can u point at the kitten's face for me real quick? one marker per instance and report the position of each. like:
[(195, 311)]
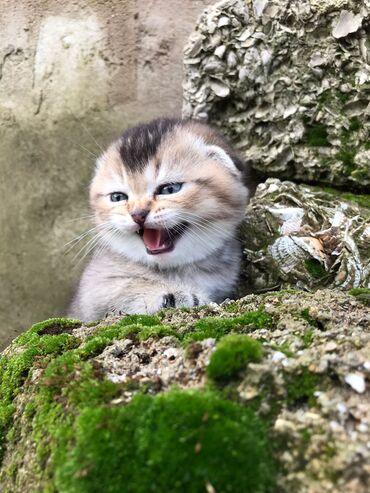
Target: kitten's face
[(170, 206)]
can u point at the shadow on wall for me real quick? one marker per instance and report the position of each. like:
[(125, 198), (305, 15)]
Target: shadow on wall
[(72, 77)]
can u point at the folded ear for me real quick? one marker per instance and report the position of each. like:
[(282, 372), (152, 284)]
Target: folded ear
[(219, 155)]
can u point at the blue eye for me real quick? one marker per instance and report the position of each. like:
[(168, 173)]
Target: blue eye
[(169, 188), (118, 196)]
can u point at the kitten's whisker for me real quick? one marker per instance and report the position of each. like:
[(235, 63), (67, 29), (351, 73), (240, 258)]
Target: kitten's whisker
[(81, 218), (86, 247), (92, 136), (80, 237), (83, 148), (199, 220), (208, 227), (90, 246), (90, 242), (193, 234), (104, 244), (211, 227), (196, 216), (86, 130)]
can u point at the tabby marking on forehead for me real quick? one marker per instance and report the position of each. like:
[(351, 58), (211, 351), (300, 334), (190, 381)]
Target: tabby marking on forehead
[(140, 144)]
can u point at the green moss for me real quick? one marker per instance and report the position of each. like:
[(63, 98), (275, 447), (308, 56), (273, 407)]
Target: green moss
[(347, 156), (347, 153), (156, 331), (354, 124), (85, 444), (362, 294), (361, 175), (52, 326), (15, 369), (363, 200), (95, 344), (316, 135), (315, 268), (343, 97), (142, 325), (301, 388), (217, 327), (178, 441), (232, 354), (231, 307), (144, 320), (67, 386), (306, 315), (307, 338), (331, 97)]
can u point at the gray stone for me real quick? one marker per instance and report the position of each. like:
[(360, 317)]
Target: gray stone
[(293, 91)]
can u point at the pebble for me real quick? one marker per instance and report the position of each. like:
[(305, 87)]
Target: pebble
[(330, 346), (278, 356), (356, 381)]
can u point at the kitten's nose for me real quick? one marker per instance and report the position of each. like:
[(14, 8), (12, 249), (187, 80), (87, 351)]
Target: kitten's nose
[(139, 216)]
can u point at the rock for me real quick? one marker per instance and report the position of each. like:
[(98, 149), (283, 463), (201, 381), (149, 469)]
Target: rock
[(266, 398), (296, 236), (293, 90), (356, 381)]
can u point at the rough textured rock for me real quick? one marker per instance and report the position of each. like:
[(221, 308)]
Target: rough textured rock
[(93, 407), (296, 236), (288, 81)]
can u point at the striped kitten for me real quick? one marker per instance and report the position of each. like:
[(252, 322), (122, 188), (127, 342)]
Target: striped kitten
[(168, 197)]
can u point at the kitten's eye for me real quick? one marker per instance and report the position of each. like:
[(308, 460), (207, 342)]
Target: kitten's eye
[(118, 196), (169, 188)]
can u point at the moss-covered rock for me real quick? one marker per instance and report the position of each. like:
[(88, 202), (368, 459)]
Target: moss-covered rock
[(288, 82), (256, 395), (296, 236), (232, 355)]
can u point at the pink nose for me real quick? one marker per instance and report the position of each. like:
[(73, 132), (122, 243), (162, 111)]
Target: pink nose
[(139, 216)]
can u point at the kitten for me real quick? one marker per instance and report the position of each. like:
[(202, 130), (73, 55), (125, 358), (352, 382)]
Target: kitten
[(167, 197)]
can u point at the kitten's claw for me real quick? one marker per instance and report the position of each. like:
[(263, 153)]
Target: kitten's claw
[(114, 313)]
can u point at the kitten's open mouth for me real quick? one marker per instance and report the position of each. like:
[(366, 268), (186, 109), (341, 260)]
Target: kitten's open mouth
[(158, 241)]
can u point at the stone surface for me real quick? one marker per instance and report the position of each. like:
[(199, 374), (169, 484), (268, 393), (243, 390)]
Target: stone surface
[(73, 76), (296, 236), (310, 388), (288, 81)]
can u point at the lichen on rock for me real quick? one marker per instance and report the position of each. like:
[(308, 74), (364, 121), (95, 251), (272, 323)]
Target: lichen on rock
[(296, 236), (288, 82)]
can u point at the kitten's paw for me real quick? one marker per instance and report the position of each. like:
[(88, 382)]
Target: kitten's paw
[(181, 299), (115, 312)]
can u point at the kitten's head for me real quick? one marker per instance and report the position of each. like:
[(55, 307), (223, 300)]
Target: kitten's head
[(168, 193)]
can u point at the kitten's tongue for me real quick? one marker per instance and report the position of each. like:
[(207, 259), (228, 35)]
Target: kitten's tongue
[(157, 241)]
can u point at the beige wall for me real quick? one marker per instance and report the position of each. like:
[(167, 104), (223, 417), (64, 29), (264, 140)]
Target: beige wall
[(71, 73)]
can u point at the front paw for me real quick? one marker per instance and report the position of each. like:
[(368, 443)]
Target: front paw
[(179, 299)]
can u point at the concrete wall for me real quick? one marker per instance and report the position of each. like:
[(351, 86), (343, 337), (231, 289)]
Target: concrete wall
[(73, 75)]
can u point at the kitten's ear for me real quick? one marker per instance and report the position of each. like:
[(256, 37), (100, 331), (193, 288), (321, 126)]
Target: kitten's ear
[(219, 155)]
